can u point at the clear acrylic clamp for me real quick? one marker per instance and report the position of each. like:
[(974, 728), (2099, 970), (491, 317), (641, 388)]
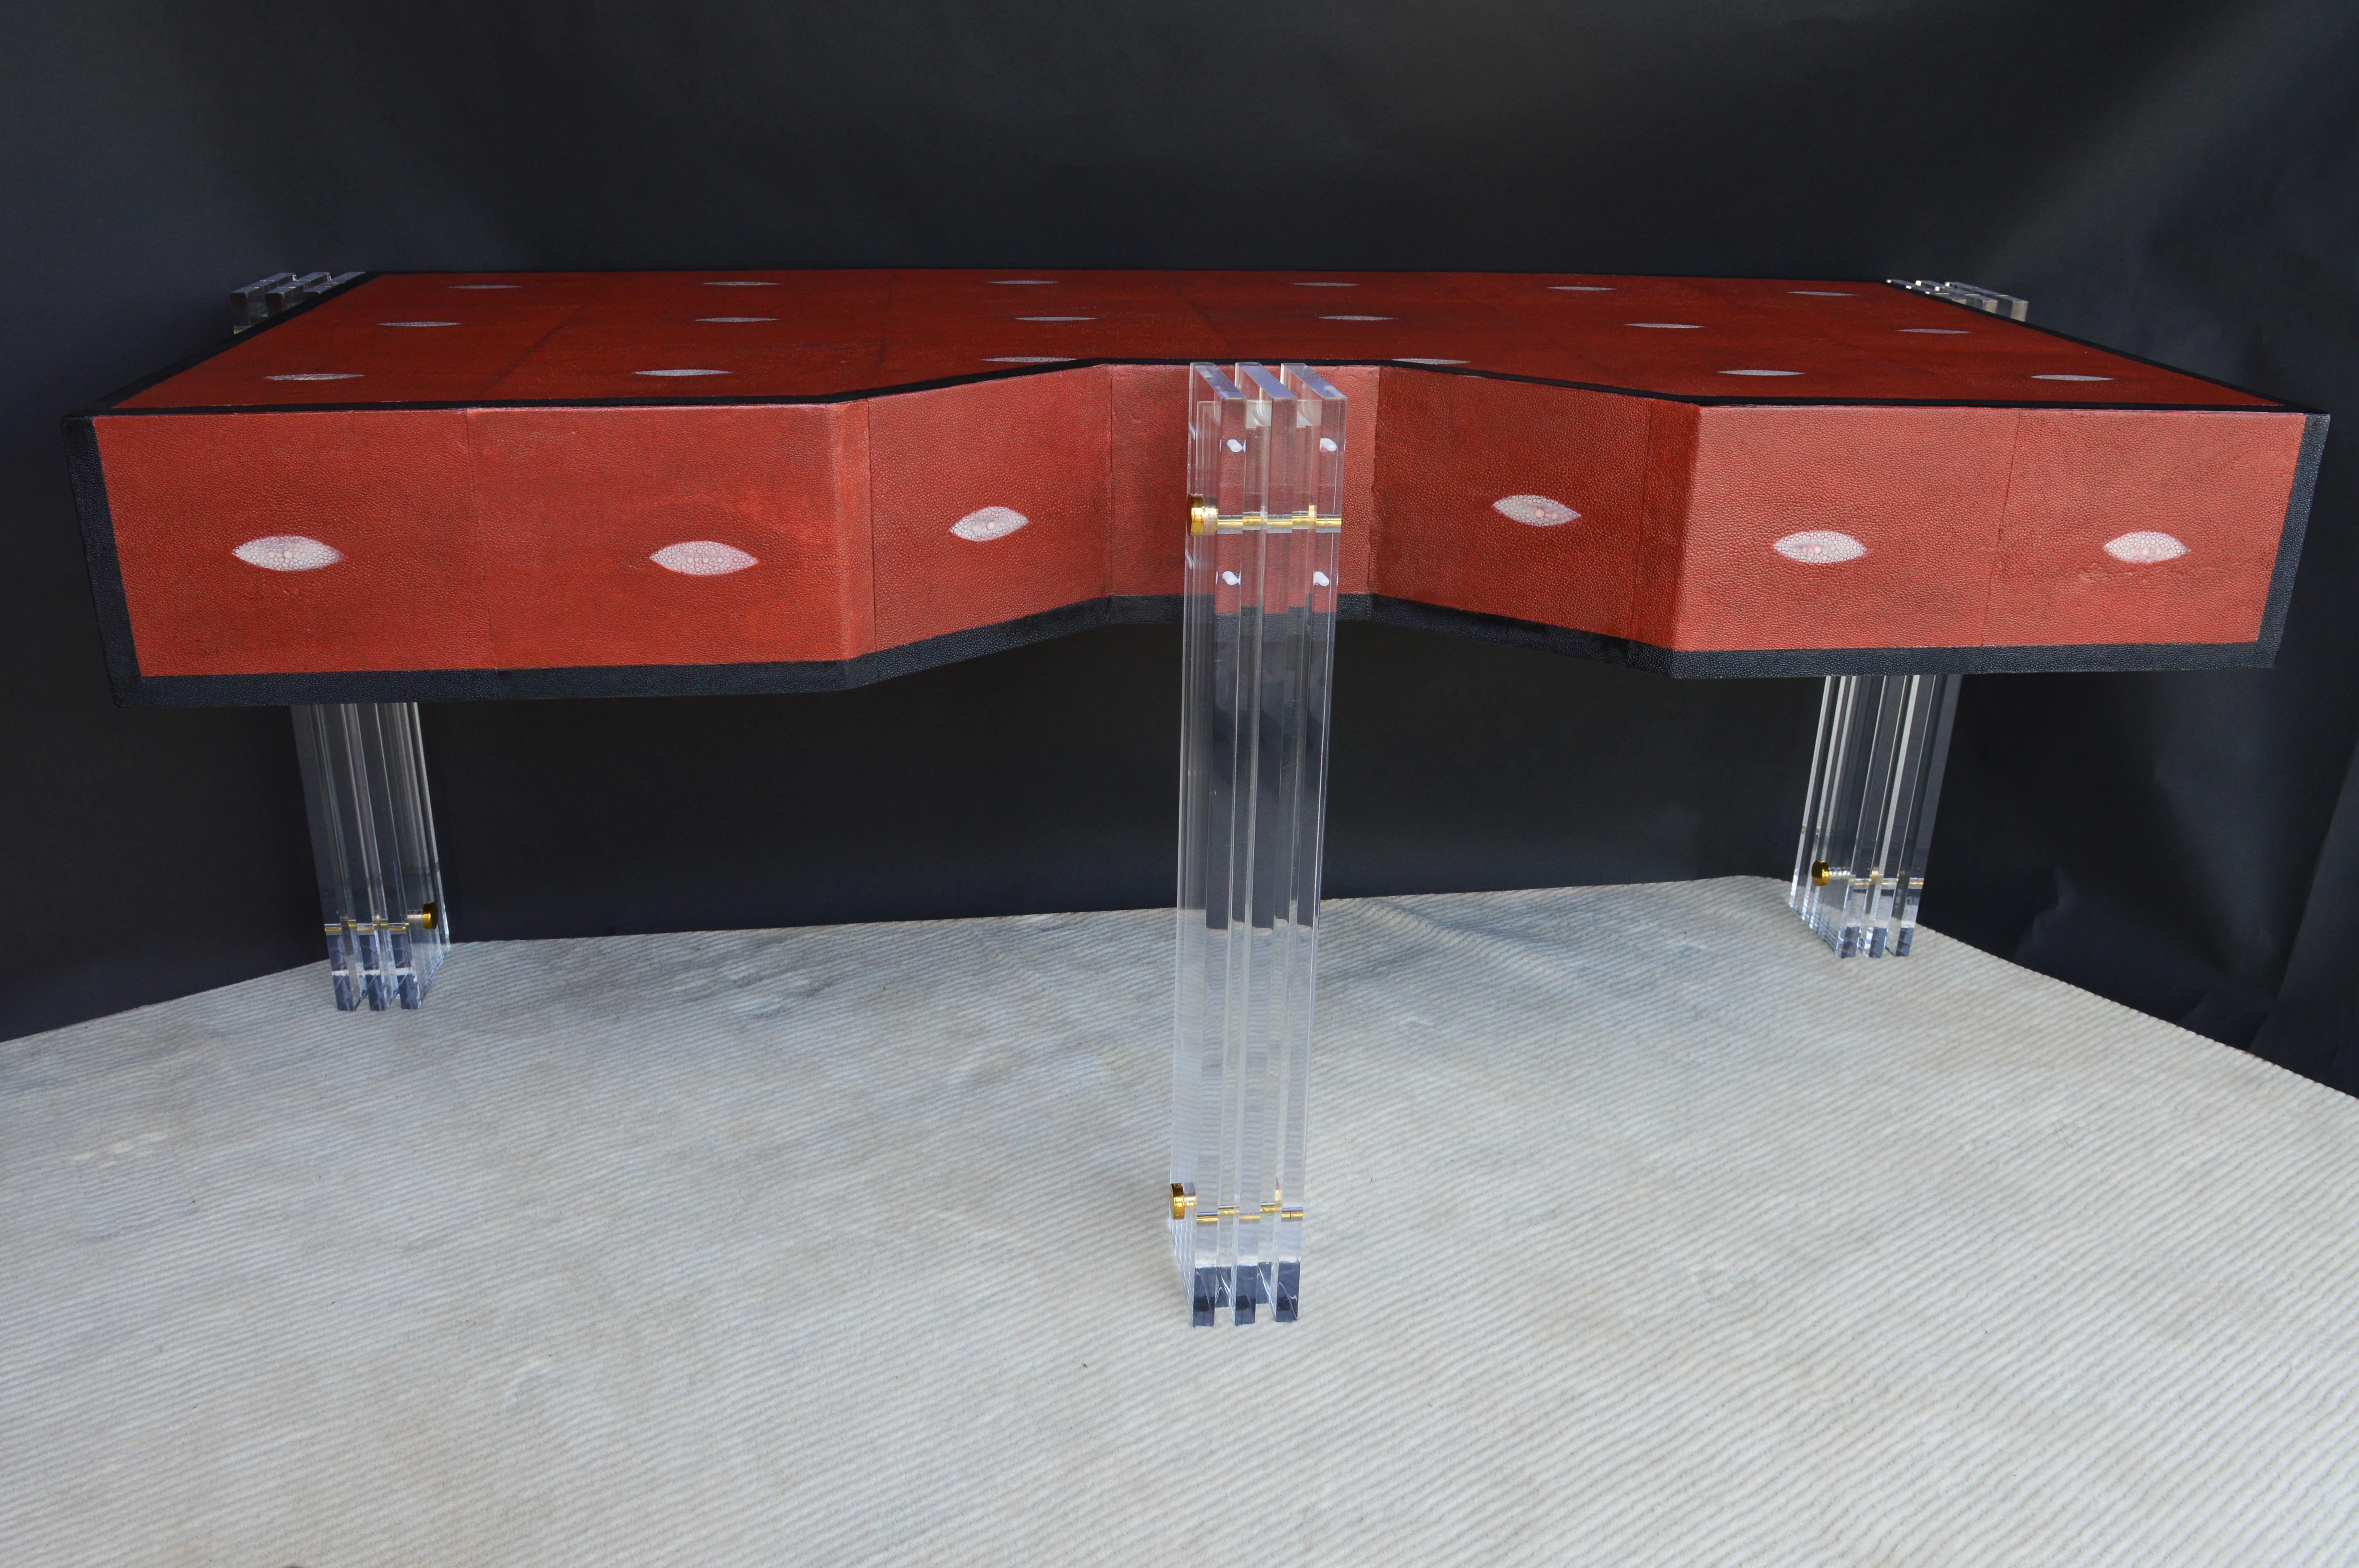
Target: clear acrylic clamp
[(1867, 821), (387, 926), (1266, 467)]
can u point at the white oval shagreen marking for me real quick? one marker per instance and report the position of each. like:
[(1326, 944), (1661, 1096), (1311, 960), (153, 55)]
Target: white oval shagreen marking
[(739, 283), (1056, 318), (1024, 282), (1327, 444), (288, 552), (1426, 362), (1029, 360), (317, 375), (1582, 287), (1536, 510), (418, 323), (1326, 285), (1669, 326), (487, 285), (1355, 318), (1820, 547), (989, 523), (2146, 547), (724, 319), (1319, 579), (1233, 444), (1231, 578), (1760, 372), (1822, 293), (1938, 331), (701, 557), (679, 373), (2063, 375)]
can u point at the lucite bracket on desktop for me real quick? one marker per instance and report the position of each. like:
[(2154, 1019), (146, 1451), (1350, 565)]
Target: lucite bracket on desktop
[(1876, 775), (1266, 464)]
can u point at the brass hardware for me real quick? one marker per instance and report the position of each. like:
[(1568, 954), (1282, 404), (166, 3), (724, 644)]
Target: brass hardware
[(1204, 517), (1289, 1214), (1818, 873), (426, 915), (1183, 1202)]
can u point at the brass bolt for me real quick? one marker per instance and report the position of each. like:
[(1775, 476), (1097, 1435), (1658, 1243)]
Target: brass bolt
[(1818, 873), (426, 915)]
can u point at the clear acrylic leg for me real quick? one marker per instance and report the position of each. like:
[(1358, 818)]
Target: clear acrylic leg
[(1876, 781), (1266, 455), (387, 923)]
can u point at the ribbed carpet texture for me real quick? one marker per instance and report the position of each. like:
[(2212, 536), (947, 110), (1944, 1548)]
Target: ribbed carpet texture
[(1642, 1231)]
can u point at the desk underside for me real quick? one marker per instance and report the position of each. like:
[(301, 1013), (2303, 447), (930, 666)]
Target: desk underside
[(499, 471)]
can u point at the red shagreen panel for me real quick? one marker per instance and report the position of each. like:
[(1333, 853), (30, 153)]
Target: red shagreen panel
[(674, 535), (989, 501), (386, 491), (2148, 485), (1148, 479), (1840, 528), (1512, 500)]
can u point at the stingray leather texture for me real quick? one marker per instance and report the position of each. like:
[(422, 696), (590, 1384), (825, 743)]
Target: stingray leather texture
[(438, 486)]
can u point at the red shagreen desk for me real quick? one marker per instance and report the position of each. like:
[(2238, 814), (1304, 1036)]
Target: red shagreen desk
[(454, 486), (437, 486)]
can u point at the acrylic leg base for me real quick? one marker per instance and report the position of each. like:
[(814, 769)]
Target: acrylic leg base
[(386, 921), (1867, 821), (1270, 1284)]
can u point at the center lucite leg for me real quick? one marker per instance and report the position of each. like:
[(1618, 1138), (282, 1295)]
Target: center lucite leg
[(1266, 464)]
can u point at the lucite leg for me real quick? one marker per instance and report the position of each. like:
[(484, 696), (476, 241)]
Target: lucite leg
[(1258, 638), (1876, 775), (387, 923), (1867, 821)]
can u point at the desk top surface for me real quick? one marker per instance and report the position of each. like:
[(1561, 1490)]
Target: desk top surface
[(507, 337)]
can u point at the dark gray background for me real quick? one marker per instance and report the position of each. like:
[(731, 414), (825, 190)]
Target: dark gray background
[(2180, 180)]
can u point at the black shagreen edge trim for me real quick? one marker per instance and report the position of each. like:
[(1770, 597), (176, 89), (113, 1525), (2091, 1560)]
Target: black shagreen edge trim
[(1141, 610), (98, 553), (2296, 524)]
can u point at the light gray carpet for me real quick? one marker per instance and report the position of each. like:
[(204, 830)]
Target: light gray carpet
[(1642, 1231)]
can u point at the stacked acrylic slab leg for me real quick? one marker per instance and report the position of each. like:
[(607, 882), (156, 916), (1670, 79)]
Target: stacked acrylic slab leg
[(1266, 464), (373, 843), (1876, 776), (1876, 781)]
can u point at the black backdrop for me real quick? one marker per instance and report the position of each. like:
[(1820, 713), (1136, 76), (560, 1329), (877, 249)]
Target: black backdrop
[(2180, 180)]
